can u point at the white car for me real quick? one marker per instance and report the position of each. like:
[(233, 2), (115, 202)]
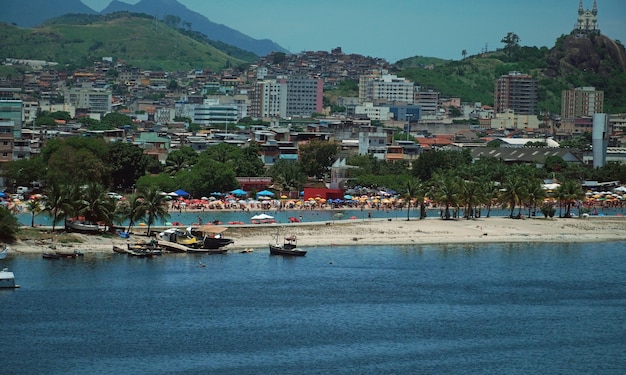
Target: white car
[(114, 195)]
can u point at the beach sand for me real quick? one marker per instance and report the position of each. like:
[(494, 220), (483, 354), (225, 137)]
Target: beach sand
[(382, 232)]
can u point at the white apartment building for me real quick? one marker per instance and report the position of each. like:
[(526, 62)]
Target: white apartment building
[(386, 88), (94, 100), (269, 99), (372, 112)]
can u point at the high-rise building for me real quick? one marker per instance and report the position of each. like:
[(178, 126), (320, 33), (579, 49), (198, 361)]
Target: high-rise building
[(517, 92), (269, 99), (579, 103), (386, 89), (304, 96)]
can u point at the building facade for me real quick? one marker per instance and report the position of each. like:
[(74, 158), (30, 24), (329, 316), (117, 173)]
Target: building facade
[(578, 105), (268, 99), (517, 92), (385, 89), (90, 99), (304, 96), (587, 21)]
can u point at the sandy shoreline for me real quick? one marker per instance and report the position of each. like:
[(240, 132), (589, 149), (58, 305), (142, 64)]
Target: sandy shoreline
[(383, 232)]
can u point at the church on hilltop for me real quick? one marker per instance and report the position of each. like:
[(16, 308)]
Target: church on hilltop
[(587, 20)]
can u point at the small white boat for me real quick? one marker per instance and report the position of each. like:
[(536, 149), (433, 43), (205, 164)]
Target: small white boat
[(4, 252), (7, 279)]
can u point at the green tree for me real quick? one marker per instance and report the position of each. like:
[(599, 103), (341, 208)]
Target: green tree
[(116, 119), (34, 207), (287, 174), (317, 157), (411, 189), (155, 206), (96, 205), (513, 192), (178, 160), (569, 193), (9, 225), (126, 163), (55, 202), (445, 191), (511, 44), (132, 209)]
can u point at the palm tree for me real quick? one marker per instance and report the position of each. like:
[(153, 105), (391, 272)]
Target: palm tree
[(132, 210), (513, 193), (55, 202), (155, 206), (569, 192), (490, 190), (97, 206), (34, 207), (464, 53), (470, 195), (535, 194), (411, 187), (176, 162), (445, 191)]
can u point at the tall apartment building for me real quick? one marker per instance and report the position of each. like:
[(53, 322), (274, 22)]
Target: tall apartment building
[(269, 99), (304, 96), (577, 103), (11, 112), (90, 99), (517, 92), (385, 89)]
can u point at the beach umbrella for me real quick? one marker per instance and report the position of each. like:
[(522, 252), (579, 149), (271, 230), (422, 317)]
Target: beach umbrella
[(2, 195), (265, 193), (347, 196), (261, 217), (239, 192), (283, 197)]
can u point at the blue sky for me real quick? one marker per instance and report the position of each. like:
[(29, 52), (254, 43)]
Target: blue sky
[(395, 29)]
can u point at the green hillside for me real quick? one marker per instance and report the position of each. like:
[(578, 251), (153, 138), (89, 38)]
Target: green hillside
[(568, 65), (138, 40)]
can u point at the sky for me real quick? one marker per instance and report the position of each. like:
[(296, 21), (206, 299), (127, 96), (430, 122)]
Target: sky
[(397, 29)]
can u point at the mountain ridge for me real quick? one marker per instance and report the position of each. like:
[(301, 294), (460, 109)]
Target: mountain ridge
[(199, 22)]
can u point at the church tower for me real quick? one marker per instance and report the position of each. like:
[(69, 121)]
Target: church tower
[(587, 20)]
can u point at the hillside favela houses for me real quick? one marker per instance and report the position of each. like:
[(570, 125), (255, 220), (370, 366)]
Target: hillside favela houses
[(287, 94)]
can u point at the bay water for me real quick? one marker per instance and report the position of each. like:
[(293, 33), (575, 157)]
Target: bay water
[(485, 308)]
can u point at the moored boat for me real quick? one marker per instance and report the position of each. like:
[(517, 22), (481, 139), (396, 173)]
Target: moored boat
[(4, 252), (7, 279), (289, 247)]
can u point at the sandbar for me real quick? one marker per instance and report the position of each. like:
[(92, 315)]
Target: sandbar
[(431, 231)]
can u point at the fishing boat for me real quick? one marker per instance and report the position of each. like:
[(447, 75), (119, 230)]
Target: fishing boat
[(4, 252), (209, 236), (289, 247), (7, 279)]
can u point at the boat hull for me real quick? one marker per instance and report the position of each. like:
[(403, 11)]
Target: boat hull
[(280, 250)]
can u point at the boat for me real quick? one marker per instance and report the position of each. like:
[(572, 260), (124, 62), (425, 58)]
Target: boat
[(4, 252), (82, 226), (289, 247), (119, 250), (178, 236), (7, 279), (65, 254), (151, 247), (210, 236), (202, 250), (51, 256)]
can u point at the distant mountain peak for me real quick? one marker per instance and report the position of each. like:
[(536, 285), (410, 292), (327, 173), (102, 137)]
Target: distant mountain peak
[(198, 22), (31, 13)]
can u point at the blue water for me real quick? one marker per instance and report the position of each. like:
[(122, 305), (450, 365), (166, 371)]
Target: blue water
[(523, 308), (190, 217)]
